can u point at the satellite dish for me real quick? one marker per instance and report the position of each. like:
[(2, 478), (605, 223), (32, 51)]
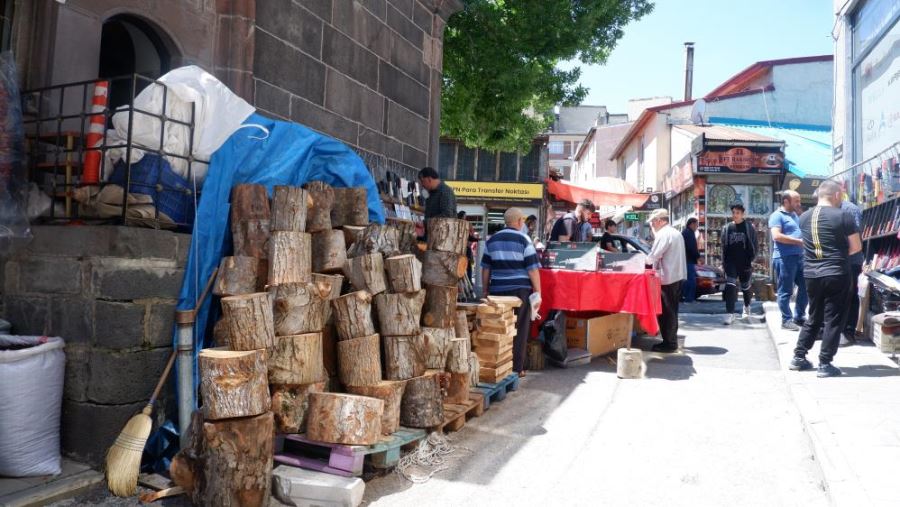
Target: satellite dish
[(698, 111)]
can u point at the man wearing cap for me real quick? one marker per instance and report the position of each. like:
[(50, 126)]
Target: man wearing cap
[(738, 241), (667, 257)]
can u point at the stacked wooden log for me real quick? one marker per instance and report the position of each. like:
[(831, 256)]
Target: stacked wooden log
[(493, 339)]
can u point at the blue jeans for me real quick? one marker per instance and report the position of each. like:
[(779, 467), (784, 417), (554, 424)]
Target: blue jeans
[(789, 272), (689, 287)]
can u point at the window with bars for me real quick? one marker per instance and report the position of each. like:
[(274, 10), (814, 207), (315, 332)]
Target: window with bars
[(465, 163), (447, 160), (508, 163), (487, 165)]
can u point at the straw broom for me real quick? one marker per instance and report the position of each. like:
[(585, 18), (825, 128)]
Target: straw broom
[(123, 460)]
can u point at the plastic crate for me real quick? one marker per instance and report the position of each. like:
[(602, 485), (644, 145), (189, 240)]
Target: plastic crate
[(153, 176)]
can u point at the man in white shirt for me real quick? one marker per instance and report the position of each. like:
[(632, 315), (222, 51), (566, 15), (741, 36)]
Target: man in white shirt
[(667, 257)]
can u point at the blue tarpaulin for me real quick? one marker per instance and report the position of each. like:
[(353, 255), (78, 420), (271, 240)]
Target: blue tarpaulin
[(807, 149), (289, 155)]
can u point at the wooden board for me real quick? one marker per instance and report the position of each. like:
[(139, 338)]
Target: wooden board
[(456, 414), (494, 374), (495, 361), (492, 337)]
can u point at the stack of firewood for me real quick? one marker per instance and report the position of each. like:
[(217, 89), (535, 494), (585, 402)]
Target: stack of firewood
[(493, 340)]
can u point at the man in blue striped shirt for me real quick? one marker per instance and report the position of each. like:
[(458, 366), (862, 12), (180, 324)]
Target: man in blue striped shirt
[(509, 267)]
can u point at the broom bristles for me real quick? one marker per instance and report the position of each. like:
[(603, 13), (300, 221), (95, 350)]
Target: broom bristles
[(123, 460)]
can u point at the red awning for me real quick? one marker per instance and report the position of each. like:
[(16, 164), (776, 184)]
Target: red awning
[(568, 192)]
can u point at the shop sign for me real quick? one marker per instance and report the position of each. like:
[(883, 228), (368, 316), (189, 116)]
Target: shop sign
[(631, 216), (740, 160), (655, 201), (497, 191), (806, 187)]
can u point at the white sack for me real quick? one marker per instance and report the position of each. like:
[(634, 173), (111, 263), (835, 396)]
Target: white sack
[(31, 389)]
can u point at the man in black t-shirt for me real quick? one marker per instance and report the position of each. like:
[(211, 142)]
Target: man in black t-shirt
[(830, 236), (738, 251), (607, 243)]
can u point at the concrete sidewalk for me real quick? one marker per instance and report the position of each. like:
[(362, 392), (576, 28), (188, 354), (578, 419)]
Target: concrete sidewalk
[(853, 420)]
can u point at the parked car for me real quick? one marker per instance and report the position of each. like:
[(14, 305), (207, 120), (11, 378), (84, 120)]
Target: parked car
[(710, 280)]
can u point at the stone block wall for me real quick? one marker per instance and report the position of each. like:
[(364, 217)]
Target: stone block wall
[(367, 72), (110, 293)]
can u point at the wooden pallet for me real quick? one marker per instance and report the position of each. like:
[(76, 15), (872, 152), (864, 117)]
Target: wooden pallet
[(497, 392), (455, 415), (346, 460)]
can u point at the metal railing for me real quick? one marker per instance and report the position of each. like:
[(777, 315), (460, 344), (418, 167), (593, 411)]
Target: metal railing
[(57, 120)]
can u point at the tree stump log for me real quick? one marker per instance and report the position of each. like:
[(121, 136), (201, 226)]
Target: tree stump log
[(251, 238), (329, 349), (474, 367), (344, 419), (329, 254), (250, 325), (359, 361), (437, 346), (296, 359), (448, 235), (353, 315), (367, 273), (422, 405), (236, 276), (290, 257), (350, 207), (461, 324), (300, 307), (442, 268), (458, 350), (404, 273), (236, 462), (458, 391), (440, 306), (233, 383), (404, 357), (318, 217), (250, 220), (289, 208), (220, 333), (376, 238), (406, 234), (290, 404), (391, 393), (399, 314), (331, 283), (351, 234)]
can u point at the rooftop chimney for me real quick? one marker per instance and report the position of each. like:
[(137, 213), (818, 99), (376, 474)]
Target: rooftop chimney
[(688, 70)]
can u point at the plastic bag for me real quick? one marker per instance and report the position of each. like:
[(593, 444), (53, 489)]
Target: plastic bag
[(14, 228), (553, 334), (32, 370)]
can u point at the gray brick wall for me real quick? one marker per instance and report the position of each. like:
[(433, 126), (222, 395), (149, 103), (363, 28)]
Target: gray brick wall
[(362, 71), (110, 293)]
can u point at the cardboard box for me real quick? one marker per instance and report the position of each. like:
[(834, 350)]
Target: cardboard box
[(599, 335), (886, 332)]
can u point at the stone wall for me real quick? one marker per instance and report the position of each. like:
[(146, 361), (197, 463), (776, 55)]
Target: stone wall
[(367, 72), (110, 293)]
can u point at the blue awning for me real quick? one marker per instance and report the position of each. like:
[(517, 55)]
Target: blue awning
[(807, 151)]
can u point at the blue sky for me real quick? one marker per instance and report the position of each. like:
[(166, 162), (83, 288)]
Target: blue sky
[(728, 36)]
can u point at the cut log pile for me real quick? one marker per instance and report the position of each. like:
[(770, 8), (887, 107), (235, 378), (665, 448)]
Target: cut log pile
[(302, 349), (493, 338)]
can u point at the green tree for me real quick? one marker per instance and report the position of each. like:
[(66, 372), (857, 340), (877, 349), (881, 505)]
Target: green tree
[(501, 79)]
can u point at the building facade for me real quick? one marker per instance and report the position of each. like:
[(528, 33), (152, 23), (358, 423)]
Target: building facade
[(592, 159), (566, 135)]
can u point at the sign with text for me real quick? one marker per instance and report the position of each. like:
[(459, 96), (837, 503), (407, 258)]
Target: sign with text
[(740, 160), (497, 191), (632, 216)]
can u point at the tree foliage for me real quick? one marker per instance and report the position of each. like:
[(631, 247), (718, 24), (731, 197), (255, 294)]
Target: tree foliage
[(501, 79)]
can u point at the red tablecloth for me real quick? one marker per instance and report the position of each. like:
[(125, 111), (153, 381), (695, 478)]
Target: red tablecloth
[(614, 292)]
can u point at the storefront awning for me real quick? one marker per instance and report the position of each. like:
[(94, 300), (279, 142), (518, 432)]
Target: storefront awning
[(807, 151), (566, 191)]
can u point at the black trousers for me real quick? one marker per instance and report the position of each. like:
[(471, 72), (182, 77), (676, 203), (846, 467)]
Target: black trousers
[(853, 312), (827, 308), (668, 319), (735, 275), (523, 326)]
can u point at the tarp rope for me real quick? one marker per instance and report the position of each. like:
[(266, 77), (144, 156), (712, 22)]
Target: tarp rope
[(428, 458)]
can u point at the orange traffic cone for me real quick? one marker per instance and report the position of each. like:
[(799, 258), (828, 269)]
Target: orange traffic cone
[(90, 175)]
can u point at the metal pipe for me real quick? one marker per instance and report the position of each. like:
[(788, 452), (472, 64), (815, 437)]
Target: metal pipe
[(184, 319), (688, 70)]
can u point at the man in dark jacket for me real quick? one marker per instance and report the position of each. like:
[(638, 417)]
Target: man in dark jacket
[(575, 225), (691, 256), (738, 243), (441, 200)]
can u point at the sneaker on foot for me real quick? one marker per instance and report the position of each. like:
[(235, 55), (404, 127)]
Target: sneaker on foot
[(790, 326), (800, 364), (729, 318), (746, 314), (828, 370), (844, 340), (800, 321)]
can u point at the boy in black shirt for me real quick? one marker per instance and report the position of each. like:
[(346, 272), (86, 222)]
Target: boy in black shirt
[(830, 236), (738, 251), (606, 241)]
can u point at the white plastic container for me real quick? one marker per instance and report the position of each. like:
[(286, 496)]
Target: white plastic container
[(306, 488), (32, 372)]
